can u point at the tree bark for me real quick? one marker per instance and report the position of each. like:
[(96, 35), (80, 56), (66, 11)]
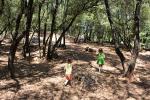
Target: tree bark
[(2, 3), (44, 38), (77, 38), (136, 31), (114, 35), (16, 38), (64, 31), (54, 13), (64, 20), (14, 44), (39, 26), (28, 26)]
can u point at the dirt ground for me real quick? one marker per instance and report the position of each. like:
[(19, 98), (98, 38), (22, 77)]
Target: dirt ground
[(43, 80)]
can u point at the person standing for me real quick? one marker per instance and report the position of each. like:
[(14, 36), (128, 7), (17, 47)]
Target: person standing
[(100, 59)]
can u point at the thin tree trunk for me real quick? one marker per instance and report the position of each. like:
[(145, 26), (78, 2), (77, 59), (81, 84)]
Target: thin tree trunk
[(44, 38), (2, 3), (135, 51), (17, 39), (117, 49), (13, 46), (39, 27), (64, 31), (77, 38), (64, 21), (54, 13), (11, 58), (90, 34), (28, 26)]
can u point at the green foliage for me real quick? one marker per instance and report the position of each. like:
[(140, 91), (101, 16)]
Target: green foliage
[(91, 15)]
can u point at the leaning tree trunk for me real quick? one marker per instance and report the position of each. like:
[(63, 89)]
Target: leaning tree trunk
[(62, 34), (114, 35), (136, 31)]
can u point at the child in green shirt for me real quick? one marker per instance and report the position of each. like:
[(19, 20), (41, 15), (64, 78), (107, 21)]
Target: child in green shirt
[(100, 58), (68, 72)]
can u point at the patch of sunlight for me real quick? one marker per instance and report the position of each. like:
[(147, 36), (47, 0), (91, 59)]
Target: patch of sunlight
[(105, 67), (79, 62), (4, 58), (36, 60), (31, 87), (55, 80), (130, 98), (145, 53), (9, 94), (74, 97), (93, 63), (140, 62), (58, 66)]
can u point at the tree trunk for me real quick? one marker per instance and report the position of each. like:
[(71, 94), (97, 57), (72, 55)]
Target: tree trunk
[(28, 25), (136, 31), (1, 6), (90, 34), (54, 13), (64, 31), (13, 46), (39, 27), (114, 35), (77, 38), (16, 38), (11, 58), (1, 40), (64, 21), (44, 42)]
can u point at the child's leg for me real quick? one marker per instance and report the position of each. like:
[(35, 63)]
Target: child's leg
[(70, 79), (67, 80), (100, 68)]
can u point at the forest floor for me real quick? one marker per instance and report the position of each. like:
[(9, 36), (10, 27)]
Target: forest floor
[(43, 80)]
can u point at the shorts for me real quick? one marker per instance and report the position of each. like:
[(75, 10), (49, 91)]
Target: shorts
[(68, 76)]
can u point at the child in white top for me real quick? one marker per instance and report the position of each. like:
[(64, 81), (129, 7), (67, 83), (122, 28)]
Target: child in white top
[(68, 72)]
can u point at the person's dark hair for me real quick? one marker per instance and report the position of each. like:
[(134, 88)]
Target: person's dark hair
[(100, 50), (69, 60)]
